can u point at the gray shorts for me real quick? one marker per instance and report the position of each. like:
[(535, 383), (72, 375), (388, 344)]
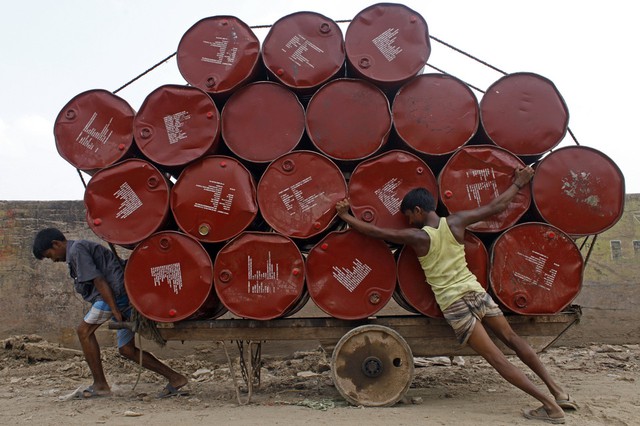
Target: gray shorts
[(464, 312)]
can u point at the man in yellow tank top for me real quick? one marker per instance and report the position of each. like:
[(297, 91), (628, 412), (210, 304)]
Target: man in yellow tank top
[(467, 307)]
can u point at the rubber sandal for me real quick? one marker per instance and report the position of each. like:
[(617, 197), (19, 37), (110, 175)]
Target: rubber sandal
[(170, 391), (541, 414), (567, 404), (90, 392)]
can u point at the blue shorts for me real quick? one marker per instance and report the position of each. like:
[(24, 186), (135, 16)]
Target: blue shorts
[(100, 313)]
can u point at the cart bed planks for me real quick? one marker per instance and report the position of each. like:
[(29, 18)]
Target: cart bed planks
[(425, 336)]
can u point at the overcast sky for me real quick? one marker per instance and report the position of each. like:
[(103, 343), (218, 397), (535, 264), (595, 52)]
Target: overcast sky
[(54, 50)]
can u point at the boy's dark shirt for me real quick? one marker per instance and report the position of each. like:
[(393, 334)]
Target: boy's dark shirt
[(88, 260)]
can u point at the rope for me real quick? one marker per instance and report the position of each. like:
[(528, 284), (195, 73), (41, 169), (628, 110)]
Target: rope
[(446, 73), (593, 244), (261, 26), (485, 64), (139, 76), (573, 136), (140, 362), (140, 322), (145, 73), (341, 21), (82, 178), (232, 372), (468, 55)]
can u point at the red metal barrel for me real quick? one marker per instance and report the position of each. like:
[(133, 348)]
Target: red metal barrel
[(349, 275), (214, 199), (387, 44), (259, 275), (169, 278), (378, 185), (535, 268), (219, 54), (262, 121), (128, 202), (525, 114), (475, 175), (94, 130), (435, 114), (416, 293), (348, 119), (579, 189), (176, 125), (304, 50), (298, 192)]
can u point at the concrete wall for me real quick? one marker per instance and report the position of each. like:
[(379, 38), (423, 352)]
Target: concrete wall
[(610, 295), (38, 296)]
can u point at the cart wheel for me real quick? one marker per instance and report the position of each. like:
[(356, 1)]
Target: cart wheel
[(372, 366)]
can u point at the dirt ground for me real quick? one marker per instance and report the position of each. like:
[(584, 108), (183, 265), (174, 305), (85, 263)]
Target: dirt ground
[(36, 375)]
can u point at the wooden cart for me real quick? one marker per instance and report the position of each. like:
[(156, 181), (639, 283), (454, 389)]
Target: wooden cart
[(372, 362)]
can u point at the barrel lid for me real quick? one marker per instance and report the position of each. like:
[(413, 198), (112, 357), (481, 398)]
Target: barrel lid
[(298, 192), (535, 268), (579, 189), (168, 277), (387, 44), (378, 185), (348, 119), (176, 125), (477, 174), (349, 275), (435, 114), (412, 284), (94, 130), (218, 54), (262, 121), (524, 113), (259, 275), (128, 202), (214, 199), (303, 50)]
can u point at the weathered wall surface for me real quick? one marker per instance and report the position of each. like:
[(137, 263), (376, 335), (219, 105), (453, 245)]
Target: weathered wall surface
[(610, 295), (38, 297)]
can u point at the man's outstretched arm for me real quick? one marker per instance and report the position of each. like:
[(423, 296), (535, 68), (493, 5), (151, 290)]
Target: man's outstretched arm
[(499, 204), (409, 236)]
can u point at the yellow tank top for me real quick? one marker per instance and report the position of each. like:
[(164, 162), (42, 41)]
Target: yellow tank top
[(445, 266)]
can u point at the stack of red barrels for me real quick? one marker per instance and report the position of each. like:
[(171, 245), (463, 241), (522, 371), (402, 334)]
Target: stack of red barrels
[(225, 187)]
